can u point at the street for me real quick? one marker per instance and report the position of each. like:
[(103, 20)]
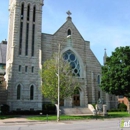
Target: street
[(112, 124)]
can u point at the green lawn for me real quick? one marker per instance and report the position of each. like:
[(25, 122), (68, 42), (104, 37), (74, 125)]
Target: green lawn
[(66, 117), (6, 117), (118, 114)]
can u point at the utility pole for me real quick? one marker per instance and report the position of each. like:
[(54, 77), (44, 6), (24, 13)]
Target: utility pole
[(58, 111)]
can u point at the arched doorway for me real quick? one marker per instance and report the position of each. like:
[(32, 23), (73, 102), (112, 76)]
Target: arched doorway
[(76, 97)]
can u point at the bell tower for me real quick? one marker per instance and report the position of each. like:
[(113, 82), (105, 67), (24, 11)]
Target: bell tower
[(23, 59)]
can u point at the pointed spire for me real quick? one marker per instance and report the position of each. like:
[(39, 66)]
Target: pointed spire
[(105, 56)]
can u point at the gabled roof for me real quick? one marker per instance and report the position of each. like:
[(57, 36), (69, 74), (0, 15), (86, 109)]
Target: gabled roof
[(3, 47), (70, 24)]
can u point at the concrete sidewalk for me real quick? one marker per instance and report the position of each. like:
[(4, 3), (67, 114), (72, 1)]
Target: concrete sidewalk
[(17, 120)]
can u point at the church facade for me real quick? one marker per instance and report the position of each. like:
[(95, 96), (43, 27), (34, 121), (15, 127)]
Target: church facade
[(28, 48)]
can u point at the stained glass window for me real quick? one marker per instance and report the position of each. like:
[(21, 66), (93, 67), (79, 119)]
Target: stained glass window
[(71, 58)]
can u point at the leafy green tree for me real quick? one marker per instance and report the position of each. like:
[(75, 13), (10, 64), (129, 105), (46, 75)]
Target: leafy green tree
[(50, 80), (116, 73)]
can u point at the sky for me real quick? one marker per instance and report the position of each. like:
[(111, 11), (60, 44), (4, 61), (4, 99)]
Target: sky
[(105, 23)]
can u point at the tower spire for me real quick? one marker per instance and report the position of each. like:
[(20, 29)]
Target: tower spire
[(105, 56)]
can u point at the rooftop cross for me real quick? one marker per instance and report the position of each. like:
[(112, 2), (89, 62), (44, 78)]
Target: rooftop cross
[(69, 13)]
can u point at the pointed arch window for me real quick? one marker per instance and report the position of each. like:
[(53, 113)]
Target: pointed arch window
[(74, 63), (34, 13), (99, 95), (28, 12), (32, 69), (21, 29), (18, 92), (27, 36), (98, 79), (22, 11), (33, 30), (20, 39), (32, 92), (69, 32)]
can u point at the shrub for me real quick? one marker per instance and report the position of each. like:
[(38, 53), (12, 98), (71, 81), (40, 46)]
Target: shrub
[(94, 106), (49, 109), (122, 107), (4, 109), (25, 112)]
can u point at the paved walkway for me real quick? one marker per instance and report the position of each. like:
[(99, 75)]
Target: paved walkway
[(13, 120)]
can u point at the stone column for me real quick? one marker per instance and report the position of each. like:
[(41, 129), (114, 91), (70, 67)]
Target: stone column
[(104, 110)]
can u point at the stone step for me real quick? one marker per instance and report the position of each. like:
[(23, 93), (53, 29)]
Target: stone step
[(78, 111)]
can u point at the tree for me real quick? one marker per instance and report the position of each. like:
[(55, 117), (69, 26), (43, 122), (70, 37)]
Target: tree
[(116, 73), (68, 82)]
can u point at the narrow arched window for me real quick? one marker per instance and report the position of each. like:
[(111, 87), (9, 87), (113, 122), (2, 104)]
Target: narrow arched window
[(18, 92), (21, 29), (28, 12), (33, 39), (22, 11), (33, 31), (20, 39), (32, 92), (98, 79), (99, 94), (34, 13), (69, 32), (32, 69), (27, 35)]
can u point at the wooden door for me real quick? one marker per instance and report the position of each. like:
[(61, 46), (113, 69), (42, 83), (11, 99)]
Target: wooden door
[(76, 100)]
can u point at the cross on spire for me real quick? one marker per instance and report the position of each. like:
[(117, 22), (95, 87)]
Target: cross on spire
[(69, 13)]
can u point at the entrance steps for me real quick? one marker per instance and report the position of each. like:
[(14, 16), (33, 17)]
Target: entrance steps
[(75, 111)]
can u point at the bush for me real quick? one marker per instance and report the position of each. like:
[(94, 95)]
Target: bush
[(122, 107), (116, 110), (94, 106), (49, 109), (25, 112), (4, 109)]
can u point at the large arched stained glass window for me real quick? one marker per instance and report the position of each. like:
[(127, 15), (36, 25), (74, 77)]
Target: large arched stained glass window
[(71, 58)]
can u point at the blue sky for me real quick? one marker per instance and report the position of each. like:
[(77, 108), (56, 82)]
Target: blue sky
[(105, 23)]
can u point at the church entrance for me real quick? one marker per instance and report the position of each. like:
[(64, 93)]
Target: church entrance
[(76, 97)]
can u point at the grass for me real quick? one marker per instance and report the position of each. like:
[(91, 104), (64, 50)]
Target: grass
[(67, 117), (6, 117), (118, 114)]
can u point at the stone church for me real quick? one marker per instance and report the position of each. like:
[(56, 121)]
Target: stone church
[(28, 48)]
